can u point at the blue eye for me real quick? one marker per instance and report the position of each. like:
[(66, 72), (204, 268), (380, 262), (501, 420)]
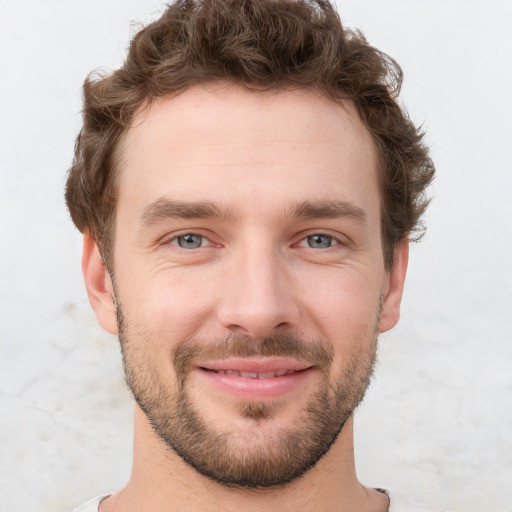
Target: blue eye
[(189, 241), (320, 241)]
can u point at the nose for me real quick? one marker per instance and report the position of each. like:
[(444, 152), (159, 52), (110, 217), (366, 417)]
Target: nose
[(258, 296)]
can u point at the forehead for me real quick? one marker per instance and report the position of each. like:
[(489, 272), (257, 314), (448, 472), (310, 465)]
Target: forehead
[(233, 143)]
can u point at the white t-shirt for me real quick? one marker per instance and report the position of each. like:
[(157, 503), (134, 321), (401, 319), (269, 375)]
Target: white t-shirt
[(397, 503)]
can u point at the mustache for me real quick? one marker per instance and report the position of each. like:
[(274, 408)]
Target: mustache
[(314, 353)]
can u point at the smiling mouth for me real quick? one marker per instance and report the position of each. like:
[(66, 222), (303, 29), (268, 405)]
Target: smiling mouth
[(256, 375), (257, 378)]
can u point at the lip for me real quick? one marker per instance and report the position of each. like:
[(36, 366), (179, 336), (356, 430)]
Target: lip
[(255, 364), (253, 387)]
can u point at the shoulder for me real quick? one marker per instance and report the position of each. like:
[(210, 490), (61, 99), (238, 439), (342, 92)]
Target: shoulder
[(399, 503), (91, 505)]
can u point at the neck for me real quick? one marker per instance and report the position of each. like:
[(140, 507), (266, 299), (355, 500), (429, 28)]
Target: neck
[(162, 481)]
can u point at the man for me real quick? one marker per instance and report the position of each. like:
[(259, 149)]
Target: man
[(247, 187)]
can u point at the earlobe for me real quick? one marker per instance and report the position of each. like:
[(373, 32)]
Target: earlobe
[(99, 285), (393, 288)]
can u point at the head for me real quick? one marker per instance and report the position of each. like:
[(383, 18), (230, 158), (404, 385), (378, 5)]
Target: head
[(247, 185)]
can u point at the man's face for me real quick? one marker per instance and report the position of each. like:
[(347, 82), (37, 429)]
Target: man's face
[(249, 277)]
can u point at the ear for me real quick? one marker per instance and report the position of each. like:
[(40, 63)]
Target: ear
[(393, 288), (99, 285)]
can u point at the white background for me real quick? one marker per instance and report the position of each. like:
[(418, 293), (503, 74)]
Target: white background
[(437, 422)]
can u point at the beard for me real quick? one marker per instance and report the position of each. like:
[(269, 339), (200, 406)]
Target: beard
[(253, 456)]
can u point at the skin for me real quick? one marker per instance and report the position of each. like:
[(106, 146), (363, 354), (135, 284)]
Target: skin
[(255, 157)]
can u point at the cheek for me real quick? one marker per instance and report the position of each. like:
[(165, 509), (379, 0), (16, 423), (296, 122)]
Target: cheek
[(169, 304), (343, 305)]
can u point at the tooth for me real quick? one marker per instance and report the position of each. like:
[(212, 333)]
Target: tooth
[(249, 375)]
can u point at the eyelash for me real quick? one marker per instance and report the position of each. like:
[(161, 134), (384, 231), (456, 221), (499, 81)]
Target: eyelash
[(174, 240), (335, 240)]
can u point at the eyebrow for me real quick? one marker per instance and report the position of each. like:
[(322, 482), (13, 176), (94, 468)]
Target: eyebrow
[(328, 210), (165, 208)]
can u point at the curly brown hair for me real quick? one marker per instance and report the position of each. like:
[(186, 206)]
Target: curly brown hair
[(261, 45)]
